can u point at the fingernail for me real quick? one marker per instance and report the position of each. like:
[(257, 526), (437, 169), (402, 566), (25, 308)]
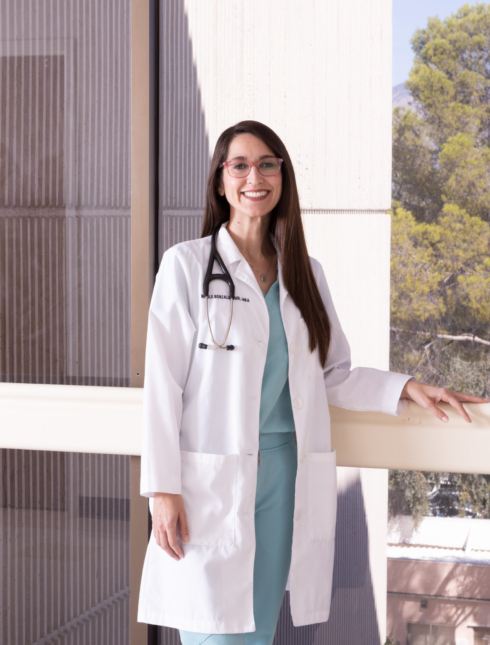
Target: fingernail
[(445, 419)]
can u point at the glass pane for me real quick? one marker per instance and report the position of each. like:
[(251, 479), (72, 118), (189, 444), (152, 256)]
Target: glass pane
[(64, 309), (482, 635), (443, 635), (65, 192), (64, 563), (419, 634)]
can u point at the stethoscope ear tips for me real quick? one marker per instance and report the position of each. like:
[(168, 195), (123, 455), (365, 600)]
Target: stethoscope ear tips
[(203, 346), (230, 347)]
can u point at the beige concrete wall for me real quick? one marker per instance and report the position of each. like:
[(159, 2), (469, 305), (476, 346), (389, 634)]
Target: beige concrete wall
[(454, 579)]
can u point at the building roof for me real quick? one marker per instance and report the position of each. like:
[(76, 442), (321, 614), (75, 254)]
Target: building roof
[(440, 539)]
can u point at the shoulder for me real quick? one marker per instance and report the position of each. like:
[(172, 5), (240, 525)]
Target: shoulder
[(316, 267), (321, 280), (188, 255)]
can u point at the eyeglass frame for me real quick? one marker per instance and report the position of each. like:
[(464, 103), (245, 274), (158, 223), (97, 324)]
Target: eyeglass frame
[(252, 163)]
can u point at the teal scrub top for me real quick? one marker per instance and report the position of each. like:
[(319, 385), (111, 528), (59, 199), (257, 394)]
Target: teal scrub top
[(276, 413)]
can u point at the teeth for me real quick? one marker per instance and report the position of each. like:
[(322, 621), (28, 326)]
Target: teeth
[(257, 194)]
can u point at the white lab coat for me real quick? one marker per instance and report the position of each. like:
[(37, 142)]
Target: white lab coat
[(201, 439)]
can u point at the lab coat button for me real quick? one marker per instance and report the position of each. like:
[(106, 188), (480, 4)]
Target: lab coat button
[(297, 515), (302, 457), (298, 403), (294, 348)]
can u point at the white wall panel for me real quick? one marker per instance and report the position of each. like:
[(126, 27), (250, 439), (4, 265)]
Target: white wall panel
[(318, 73), (354, 249)]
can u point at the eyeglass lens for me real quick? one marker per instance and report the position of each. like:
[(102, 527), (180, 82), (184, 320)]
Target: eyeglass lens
[(266, 167)]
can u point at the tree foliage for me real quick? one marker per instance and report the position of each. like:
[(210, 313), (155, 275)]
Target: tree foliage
[(445, 494), (440, 267), (441, 153), (440, 286)]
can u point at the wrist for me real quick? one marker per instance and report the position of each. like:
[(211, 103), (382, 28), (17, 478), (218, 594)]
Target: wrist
[(405, 393)]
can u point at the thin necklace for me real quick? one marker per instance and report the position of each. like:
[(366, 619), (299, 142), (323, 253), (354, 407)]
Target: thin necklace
[(263, 276)]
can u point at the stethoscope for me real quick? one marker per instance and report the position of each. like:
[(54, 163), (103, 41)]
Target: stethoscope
[(208, 278)]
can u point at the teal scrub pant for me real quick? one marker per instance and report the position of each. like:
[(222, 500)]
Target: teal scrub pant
[(274, 507)]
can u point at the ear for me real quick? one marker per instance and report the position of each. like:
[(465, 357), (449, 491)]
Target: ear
[(221, 189)]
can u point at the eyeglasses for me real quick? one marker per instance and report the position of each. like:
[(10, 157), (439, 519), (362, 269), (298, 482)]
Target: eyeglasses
[(241, 168)]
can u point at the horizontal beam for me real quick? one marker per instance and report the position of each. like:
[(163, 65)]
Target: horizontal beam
[(71, 418), (417, 440), (419, 596)]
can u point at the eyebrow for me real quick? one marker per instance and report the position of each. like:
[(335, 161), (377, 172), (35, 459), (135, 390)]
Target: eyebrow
[(245, 158)]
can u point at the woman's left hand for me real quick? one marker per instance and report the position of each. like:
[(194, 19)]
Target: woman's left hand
[(428, 395)]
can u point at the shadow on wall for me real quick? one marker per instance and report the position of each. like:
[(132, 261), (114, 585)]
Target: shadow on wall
[(183, 156), (353, 619)]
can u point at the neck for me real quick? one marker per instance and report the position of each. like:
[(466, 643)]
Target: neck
[(251, 235)]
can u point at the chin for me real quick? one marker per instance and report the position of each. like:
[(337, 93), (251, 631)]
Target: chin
[(258, 210)]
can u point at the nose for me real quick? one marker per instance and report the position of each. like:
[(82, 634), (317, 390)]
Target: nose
[(254, 176)]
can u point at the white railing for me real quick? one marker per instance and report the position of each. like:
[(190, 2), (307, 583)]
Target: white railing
[(71, 418)]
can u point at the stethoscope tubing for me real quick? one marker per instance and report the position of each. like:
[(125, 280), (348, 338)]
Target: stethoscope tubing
[(219, 345), (214, 255)]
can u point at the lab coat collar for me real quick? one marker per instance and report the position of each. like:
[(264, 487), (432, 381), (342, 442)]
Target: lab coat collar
[(243, 271)]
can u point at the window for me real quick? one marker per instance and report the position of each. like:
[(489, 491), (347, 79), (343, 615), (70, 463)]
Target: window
[(420, 634), (65, 260), (481, 635)]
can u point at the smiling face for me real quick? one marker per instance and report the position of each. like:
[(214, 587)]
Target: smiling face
[(255, 195)]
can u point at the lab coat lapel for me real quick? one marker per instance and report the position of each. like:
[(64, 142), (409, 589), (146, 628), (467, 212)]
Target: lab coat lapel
[(242, 270), (231, 255)]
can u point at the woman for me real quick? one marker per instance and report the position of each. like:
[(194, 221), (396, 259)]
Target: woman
[(236, 458)]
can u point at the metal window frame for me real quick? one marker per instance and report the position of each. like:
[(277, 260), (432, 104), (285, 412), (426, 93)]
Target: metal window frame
[(144, 257)]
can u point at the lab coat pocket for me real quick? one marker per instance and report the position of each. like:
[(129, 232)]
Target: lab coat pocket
[(209, 495), (322, 495)]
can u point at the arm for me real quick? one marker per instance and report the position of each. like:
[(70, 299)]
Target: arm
[(168, 354), (369, 389), (363, 388)]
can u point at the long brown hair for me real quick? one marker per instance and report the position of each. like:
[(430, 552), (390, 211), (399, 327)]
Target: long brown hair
[(285, 224)]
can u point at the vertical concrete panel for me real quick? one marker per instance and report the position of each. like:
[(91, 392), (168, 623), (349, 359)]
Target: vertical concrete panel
[(319, 73), (375, 494), (354, 249)]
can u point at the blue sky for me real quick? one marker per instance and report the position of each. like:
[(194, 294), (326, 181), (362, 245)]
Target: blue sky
[(408, 15)]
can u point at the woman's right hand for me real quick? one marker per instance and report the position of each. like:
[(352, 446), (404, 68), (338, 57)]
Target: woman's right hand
[(168, 510)]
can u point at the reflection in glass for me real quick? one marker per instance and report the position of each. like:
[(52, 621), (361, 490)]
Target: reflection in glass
[(65, 192), (64, 564), (64, 309)]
